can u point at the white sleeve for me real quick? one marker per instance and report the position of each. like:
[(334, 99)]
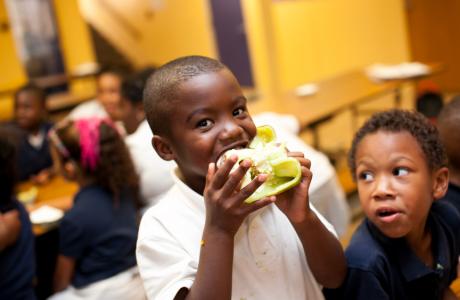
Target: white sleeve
[(165, 267), (323, 220)]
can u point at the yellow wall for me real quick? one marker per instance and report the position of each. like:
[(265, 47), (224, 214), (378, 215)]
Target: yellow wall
[(76, 47), (12, 72), (317, 39), (153, 37), (76, 43), (74, 35)]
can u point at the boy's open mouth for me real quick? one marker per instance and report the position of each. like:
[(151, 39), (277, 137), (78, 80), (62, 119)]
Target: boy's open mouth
[(387, 214)]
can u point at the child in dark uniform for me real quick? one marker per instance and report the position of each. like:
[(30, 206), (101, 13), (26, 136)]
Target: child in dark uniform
[(17, 258), (31, 128), (408, 245), (449, 129), (98, 235)]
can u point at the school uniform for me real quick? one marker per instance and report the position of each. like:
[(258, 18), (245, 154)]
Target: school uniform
[(17, 262), (100, 235), (154, 172), (33, 152), (269, 261), (453, 195), (383, 268)]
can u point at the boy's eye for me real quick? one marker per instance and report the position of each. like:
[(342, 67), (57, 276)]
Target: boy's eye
[(366, 176), (204, 123), (238, 111), (400, 171)]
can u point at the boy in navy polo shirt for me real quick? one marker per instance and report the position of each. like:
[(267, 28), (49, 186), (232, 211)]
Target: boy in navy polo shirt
[(31, 128), (408, 245), (449, 130)]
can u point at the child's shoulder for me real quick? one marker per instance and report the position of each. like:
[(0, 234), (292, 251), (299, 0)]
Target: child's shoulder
[(446, 213), (366, 251)]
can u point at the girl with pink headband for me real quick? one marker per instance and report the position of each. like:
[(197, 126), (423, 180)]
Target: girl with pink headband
[(98, 234)]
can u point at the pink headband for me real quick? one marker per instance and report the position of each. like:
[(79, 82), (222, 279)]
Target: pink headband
[(88, 130)]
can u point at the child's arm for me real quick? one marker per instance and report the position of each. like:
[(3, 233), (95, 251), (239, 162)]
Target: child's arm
[(65, 268), (10, 227), (225, 211), (322, 249)]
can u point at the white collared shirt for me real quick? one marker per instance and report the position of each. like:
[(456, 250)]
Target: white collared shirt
[(269, 261), (154, 172), (88, 109)]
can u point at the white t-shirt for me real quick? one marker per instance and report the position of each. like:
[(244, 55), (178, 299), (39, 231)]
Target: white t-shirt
[(325, 192), (269, 261), (88, 109), (154, 172)]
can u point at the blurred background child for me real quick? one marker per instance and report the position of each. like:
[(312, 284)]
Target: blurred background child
[(154, 172), (107, 100), (98, 235), (30, 128), (449, 129), (17, 258)]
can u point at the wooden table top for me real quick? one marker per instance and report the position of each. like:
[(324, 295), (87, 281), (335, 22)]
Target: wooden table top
[(58, 193), (333, 96)]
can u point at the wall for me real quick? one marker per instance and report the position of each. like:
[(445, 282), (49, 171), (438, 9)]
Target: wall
[(12, 72), (76, 48), (315, 39), (146, 36), (76, 44)]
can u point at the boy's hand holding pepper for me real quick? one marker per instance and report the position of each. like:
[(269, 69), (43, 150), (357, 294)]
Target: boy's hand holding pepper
[(224, 200), (294, 202)]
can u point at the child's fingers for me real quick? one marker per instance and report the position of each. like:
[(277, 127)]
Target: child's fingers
[(235, 178), (307, 175), (249, 208), (305, 162), (210, 174), (221, 174), (249, 189), (301, 158), (295, 154)]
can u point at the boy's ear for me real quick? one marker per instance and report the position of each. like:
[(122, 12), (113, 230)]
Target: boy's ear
[(440, 183), (162, 147)]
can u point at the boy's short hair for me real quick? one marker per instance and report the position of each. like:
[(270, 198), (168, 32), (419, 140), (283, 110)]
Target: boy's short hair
[(396, 120), (161, 89), (449, 128), (32, 88), (132, 88)]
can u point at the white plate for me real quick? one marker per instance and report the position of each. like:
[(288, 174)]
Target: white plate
[(46, 215)]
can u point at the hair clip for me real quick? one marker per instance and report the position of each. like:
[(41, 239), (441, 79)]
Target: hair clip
[(54, 138)]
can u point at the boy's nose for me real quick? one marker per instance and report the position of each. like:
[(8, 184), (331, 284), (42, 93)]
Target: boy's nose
[(230, 131), (383, 188)]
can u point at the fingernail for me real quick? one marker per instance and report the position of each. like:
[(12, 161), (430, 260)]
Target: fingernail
[(245, 163), (262, 177)]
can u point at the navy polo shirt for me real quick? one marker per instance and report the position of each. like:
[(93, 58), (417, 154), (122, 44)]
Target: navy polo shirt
[(383, 268), (99, 234), (17, 262), (453, 195), (31, 160)]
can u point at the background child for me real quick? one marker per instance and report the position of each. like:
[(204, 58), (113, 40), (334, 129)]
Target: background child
[(449, 129), (98, 235), (17, 259), (408, 245), (31, 128), (197, 111), (154, 172), (107, 99)]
